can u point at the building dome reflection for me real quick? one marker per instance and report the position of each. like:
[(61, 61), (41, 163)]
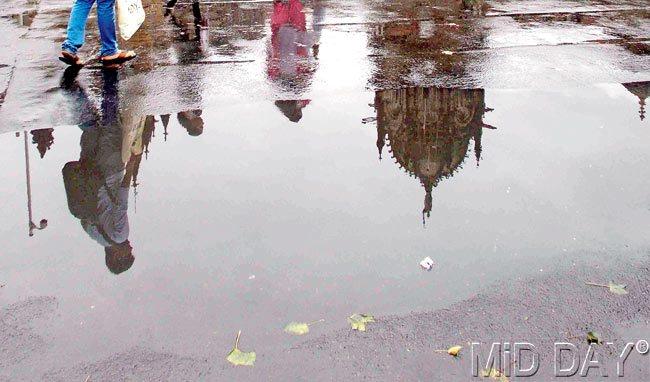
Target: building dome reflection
[(429, 131)]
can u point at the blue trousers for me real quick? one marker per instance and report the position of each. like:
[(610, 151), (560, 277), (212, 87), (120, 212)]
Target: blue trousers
[(105, 21)]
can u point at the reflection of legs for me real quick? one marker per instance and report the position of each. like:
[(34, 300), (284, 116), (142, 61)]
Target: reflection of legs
[(170, 7), (77, 25), (109, 149), (106, 23), (110, 99)]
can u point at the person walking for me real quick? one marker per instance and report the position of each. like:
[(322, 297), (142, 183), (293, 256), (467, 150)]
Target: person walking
[(110, 56)]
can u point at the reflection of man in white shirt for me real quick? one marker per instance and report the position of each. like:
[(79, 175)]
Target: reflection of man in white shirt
[(111, 146), (112, 226)]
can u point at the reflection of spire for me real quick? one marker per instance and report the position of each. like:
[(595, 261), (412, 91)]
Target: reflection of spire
[(165, 121), (381, 141), (381, 133), (477, 146), (428, 203), (136, 169), (147, 133), (641, 90), (43, 139), (642, 109)]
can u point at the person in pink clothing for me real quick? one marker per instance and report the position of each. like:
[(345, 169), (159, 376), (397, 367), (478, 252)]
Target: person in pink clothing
[(289, 63), (288, 53), (288, 12)]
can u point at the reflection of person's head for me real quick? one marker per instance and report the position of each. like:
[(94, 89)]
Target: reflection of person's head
[(292, 109), (119, 257), (192, 122)]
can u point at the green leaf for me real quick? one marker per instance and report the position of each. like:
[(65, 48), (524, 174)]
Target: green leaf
[(240, 358), (617, 288), (593, 338), (359, 321), (297, 328)]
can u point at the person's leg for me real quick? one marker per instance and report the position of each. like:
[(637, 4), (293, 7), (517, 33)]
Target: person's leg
[(106, 22), (77, 26)]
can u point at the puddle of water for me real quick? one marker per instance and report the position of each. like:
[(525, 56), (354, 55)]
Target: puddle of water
[(237, 212), (285, 189), (531, 34)]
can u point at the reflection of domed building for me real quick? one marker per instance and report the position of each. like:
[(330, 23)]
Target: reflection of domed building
[(429, 131)]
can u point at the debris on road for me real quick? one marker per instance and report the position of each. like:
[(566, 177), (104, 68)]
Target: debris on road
[(300, 328), (614, 288), (240, 358), (427, 263), (452, 351), (593, 338), (359, 321), (494, 374)]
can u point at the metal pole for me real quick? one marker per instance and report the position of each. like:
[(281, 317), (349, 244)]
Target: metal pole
[(43, 222), (29, 186)]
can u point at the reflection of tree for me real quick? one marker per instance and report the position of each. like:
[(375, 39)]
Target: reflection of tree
[(641, 90), (429, 131), (43, 139)]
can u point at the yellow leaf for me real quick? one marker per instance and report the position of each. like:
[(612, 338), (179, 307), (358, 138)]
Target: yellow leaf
[(617, 288), (494, 374), (297, 328), (454, 350), (359, 321), (240, 358)]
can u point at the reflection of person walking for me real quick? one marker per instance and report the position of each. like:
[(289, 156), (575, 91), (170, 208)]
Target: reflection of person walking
[(97, 185), (110, 56)]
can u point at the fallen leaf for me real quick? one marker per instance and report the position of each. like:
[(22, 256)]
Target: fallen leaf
[(454, 350), (593, 338), (359, 321), (300, 328), (494, 374), (617, 288), (240, 358), (614, 288), (297, 328)]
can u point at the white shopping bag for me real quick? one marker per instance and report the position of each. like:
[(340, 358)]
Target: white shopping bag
[(130, 15)]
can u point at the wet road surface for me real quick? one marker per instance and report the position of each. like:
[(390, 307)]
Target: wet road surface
[(279, 173)]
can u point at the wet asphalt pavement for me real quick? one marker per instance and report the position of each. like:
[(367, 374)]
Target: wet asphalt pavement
[(296, 167)]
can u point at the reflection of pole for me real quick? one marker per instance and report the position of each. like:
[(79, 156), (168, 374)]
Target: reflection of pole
[(43, 222), (29, 186)]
